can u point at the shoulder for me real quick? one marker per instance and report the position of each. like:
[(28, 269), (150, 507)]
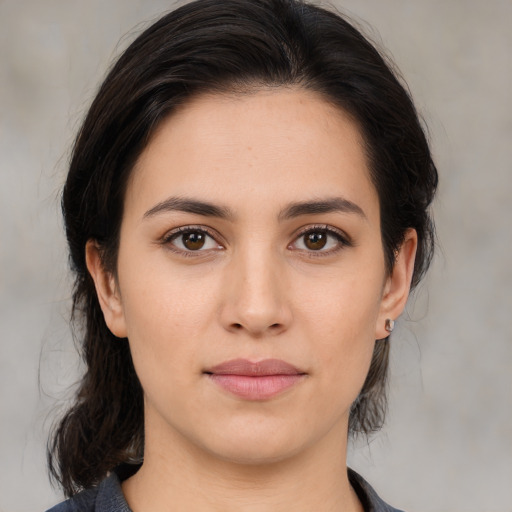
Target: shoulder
[(81, 502), (369, 498), (105, 497)]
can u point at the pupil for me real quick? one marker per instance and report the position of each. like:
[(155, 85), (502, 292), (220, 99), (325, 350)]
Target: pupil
[(193, 241), (316, 241)]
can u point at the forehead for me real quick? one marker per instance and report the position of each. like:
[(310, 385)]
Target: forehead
[(274, 145)]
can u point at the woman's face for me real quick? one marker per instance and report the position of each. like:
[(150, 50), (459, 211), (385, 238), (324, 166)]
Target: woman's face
[(251, 280)]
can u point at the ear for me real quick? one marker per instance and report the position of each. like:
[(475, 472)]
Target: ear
[(398, 284), (106, 289)]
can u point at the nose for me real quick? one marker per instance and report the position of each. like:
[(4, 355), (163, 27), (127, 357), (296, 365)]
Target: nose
[(255, 296)]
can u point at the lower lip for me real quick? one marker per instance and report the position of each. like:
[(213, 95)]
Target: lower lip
[(256, 388)]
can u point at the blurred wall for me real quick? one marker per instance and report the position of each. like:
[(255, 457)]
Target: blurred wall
[(448, 441)]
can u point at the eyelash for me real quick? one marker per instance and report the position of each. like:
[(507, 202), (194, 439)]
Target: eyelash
[(341, 238), (176, 233)]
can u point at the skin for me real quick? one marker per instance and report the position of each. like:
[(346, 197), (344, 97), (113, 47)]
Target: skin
[(255, 290)]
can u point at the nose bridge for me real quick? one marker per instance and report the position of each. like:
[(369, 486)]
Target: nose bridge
[(256, 301)]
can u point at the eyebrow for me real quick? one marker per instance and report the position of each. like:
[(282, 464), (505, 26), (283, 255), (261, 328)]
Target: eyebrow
[(197, 207), (330, 205), (187, 205)]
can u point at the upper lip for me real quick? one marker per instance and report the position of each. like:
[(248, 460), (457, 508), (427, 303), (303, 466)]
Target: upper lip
[(254, 369)]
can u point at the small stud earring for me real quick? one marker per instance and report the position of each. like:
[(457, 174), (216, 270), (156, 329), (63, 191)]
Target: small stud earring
[(389, 325)]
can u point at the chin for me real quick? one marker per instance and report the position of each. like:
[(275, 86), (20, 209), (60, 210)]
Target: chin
[(255, 453), (255, 445)]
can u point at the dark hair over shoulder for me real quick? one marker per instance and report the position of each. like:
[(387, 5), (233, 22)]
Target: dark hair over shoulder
[(218, 46)]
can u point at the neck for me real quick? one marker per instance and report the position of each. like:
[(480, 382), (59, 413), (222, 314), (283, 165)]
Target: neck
[(180, 474)]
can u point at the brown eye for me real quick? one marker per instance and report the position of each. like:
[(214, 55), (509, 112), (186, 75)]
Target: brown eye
[(315, 240), (194, 241), (321, 240), (188, 240)]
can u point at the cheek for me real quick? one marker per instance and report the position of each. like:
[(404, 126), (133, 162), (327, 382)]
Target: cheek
[(166, 317), (343, 303), (157, 296), (340, 324)]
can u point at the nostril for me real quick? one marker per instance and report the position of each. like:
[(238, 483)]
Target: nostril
[(273, 327)]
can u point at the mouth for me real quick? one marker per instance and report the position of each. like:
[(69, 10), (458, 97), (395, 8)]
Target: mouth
[(255, 380)]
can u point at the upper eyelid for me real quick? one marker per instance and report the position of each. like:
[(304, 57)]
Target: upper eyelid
[(191, 228), (323, 227)]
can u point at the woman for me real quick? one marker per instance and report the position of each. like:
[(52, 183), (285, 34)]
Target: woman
[(246, 210)]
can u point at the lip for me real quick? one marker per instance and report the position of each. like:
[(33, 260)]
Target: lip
[(255, 380)]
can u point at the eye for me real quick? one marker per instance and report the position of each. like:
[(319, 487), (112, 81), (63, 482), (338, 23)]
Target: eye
[(190, 239), (321, 239)]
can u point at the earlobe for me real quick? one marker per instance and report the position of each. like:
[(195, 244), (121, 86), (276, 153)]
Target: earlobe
[(106, 290), (397, 286)]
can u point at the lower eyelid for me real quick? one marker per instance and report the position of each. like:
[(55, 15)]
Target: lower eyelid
[(168, 239)]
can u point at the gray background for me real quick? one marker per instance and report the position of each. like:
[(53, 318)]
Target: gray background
[(447, 445)]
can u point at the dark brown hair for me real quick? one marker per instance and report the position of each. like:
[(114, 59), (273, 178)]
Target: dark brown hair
[(218, 46)]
